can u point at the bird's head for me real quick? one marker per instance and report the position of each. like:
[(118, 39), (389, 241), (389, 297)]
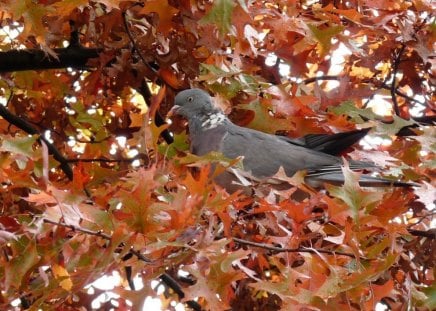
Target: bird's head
[(193, 103)]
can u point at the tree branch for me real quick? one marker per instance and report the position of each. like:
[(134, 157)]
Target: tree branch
[(133, 42), (103, 160), (396, 63), (431, 234), (292, 250), (29, 129), (99, 234), (34, 59), (320, 78)]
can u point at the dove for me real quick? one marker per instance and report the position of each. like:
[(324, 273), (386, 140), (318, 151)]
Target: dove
[(263, 154)]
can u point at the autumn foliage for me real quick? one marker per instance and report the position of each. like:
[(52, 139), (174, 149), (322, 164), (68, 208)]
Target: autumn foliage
[(93, 183)]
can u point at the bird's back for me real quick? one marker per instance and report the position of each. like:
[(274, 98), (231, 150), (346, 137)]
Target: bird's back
[(264, 154)]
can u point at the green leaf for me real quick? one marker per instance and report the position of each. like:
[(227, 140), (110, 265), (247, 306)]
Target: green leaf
[(229, 82), (91, 125), (263, 121), (324, 37), (19, 145), (179, 144), (352, 194), (208, 71), (20, 265), (349, 109), (430, 302), (213, 156), (221, 16), (394, 127), (376, 249)]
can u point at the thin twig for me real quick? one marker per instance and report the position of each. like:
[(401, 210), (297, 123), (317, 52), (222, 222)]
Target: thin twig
[(96, 233), (320, 78), (132, 40), (144, 89), (395, 65), (401, 94), (139, 255), (79, 229), (423, 217), (292, 250), (380, 85), (103, 160)]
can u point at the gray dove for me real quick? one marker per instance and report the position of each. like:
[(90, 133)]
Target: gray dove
[(262, 154)]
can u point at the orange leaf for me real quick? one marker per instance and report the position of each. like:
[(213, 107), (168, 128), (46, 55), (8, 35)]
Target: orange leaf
[(170, 78), (164, 11)]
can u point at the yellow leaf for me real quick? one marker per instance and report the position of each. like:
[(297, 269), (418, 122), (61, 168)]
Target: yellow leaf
[(324, 37), (361, 72), (32, 14), (60, 272)]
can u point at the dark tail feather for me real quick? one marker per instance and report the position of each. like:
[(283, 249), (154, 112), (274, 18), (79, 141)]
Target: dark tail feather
[(333, 144), (317, 179)]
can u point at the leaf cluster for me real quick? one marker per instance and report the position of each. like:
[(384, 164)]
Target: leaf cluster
[(138, 205)]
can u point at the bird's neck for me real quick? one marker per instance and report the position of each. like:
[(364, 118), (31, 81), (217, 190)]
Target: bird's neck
[(207, 121)]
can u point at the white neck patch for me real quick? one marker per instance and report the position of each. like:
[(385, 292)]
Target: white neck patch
[(213, 120)]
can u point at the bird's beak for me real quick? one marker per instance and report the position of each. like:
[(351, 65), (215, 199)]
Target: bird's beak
[(173, 111)]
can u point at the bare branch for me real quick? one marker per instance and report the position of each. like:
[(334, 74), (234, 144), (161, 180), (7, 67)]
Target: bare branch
[(431, 234), (104, 160), (292, 250), (79, 229), (320, 78)]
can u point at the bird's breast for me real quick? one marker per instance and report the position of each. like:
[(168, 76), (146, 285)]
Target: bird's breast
[(205, 141)]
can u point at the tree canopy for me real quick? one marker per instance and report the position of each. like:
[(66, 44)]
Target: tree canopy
[(96, 182)]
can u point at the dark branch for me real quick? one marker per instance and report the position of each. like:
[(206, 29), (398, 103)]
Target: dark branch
[(29, 129), (170, 282), (144, 89), (431, 234), (133, 42), (291, 250), (34, 59), (320, 78), (395, 65), (103, 160)]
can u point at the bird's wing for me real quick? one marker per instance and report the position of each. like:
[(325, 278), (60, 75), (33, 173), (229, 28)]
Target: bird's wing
[(264, 154), (332, 144)]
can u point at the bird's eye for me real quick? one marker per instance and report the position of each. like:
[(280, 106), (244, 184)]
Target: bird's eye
[(190, 99)]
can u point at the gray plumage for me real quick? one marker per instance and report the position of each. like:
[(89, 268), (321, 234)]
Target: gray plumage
[(263, 154)]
